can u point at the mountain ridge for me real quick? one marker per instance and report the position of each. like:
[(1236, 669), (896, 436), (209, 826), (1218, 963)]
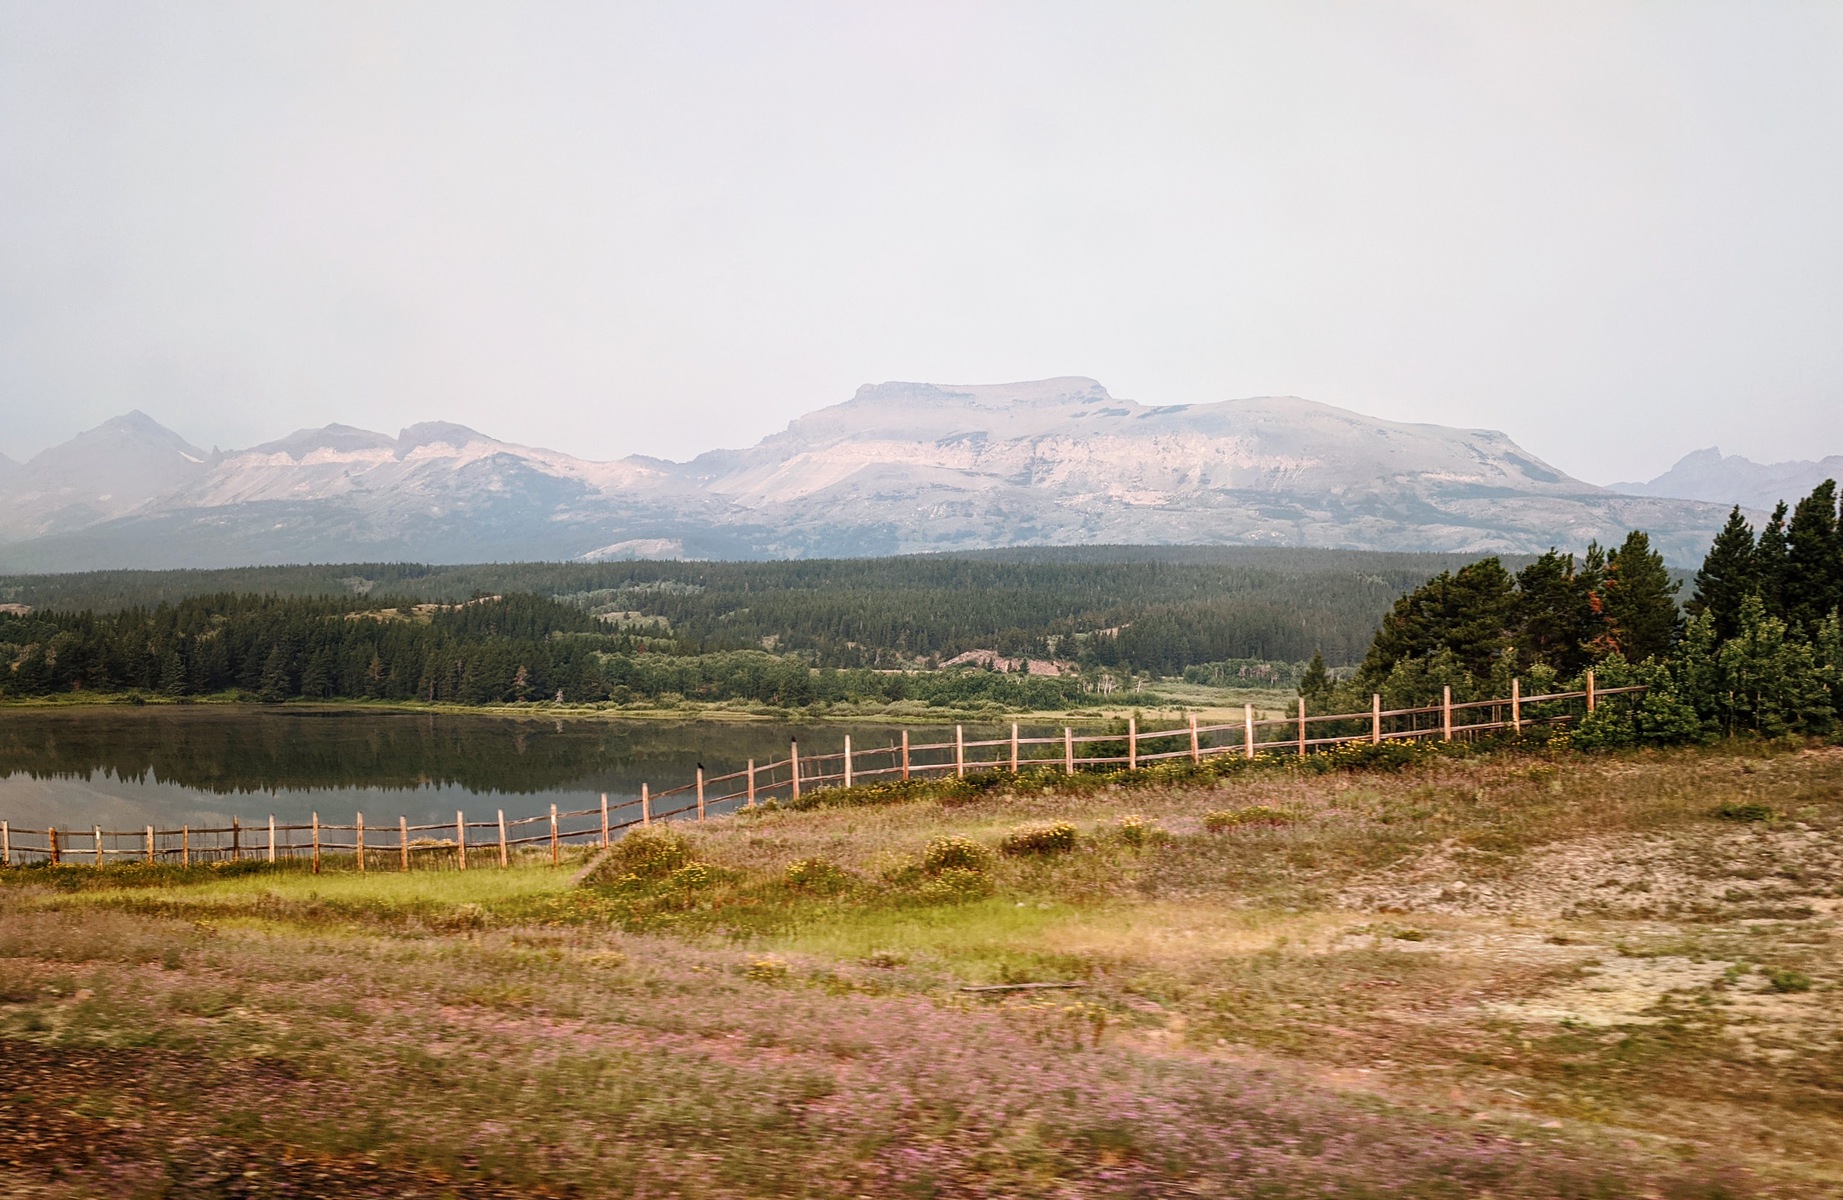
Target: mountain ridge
[(899, 467), (1710, 476)]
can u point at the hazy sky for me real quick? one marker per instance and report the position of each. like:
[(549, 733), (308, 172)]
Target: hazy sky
[(1614, 231)]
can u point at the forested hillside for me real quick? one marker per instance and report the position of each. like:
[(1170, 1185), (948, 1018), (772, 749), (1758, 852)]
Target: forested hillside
[(1169, 607)]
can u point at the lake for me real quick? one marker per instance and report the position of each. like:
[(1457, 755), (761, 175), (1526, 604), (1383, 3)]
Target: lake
[(124, 768)]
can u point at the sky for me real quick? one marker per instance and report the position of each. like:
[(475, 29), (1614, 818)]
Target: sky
[(1608, 229)]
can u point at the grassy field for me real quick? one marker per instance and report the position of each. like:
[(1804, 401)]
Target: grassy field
[(1523, 973)]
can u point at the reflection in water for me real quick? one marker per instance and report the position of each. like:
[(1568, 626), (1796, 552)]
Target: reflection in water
[(166, 765)]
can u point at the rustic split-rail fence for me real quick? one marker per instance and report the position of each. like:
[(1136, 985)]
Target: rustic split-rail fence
[(464, 843)]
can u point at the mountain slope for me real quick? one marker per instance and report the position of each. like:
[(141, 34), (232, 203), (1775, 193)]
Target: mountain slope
[(905, 467), (1711, 476), (101, 473), (900, 467)]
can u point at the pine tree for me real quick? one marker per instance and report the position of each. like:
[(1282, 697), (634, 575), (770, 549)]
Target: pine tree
[(1769, 562), (1730, 573), (277, 683), (1639, 605), (1813, 570), (1555, 614), (1316, 681)]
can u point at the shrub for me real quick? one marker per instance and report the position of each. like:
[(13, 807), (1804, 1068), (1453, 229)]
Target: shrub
[(955, 854), (955, 883), (647, 854), (1745, 812), (1786, 980), (1059, 838), (1135, 830), (817, 875), (1254, 814), (692, 876)]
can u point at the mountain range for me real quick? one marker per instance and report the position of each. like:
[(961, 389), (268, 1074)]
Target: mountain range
[(1730, 479), (898, 468)]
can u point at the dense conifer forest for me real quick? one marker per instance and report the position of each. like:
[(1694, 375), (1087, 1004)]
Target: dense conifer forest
[(784, 633)]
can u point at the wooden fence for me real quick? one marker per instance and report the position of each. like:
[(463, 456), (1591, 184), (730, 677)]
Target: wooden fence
[(466, 843)]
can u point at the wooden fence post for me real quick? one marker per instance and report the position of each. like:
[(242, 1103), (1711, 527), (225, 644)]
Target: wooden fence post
[(701, 790), (1132, 743), (358, 840), (1446, 713), (556, 852), (1014, 747), (793, 761), (646, 805), (1302, 727), (51, 835), (1375, 718), (959, 751), (751, 783), (236, 840), (505, 857), (96, 832), (316, 843), (1590, 691), (403, 842), (847, 760), (1196, 748), (1516, 705), (460, 839), (1247, 730), (905, 755), (6, 844), (1068, 751), (150, 845), (271, 837), (185, 847), (604, 820)]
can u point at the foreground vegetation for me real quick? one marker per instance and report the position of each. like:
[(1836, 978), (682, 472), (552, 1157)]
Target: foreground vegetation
[(1517, 973)]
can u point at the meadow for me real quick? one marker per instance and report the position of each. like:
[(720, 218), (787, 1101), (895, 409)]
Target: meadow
[(1522, 971)]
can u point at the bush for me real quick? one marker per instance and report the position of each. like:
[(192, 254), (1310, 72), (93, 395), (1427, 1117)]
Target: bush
[(692, 876), (1135, 830), (1784, 980), (955, 883), (817, 875), (1059, 838), (648, 854), (1254, 814), (1745, 812), (955, 854)]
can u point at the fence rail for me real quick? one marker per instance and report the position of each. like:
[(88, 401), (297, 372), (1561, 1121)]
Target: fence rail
[(463, 843)]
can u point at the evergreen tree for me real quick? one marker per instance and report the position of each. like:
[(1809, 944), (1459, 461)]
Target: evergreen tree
[(1769, 562), (1813, 583), (1639, 600), (1729, 575), (276, 683), (1316, 682), (1469, 614), (1555, 615)]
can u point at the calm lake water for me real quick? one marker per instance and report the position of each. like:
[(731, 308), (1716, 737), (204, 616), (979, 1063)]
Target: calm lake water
[(123, 768)]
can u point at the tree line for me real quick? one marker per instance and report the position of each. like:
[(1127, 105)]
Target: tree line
[(490, 650), (1758, 647)]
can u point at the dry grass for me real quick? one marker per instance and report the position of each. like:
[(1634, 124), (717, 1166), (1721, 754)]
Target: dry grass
[(1532, 975)]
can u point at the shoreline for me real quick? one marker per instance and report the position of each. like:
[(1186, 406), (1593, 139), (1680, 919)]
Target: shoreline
[(550, 711)]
